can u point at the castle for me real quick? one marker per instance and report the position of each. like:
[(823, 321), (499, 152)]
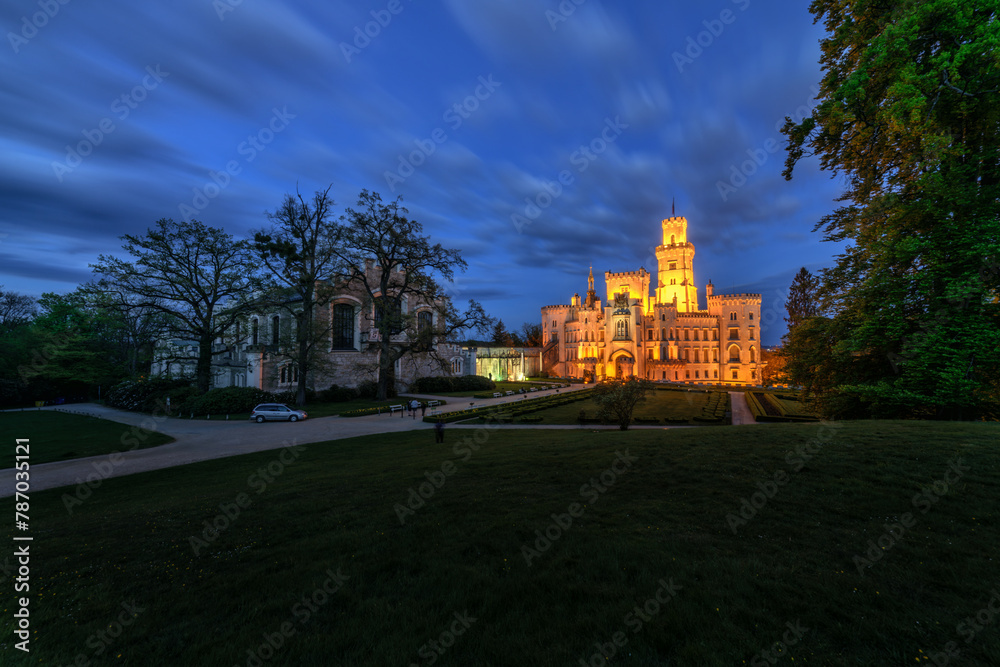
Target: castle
[(662, 335)]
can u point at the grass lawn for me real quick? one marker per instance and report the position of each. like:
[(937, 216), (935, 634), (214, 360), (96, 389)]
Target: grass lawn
[(57, 436), (501, 387), (659, 404), (124, 563)]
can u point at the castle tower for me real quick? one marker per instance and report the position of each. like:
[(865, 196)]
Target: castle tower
[(675, 259), (591, 294)]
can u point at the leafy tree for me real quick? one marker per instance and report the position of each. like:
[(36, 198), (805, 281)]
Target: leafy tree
[(617, 399), (197, 276), (300, 253), (406, 267), (501, 337), (908, 114)]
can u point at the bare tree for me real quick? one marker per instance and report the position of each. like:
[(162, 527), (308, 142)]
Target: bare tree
[(407, 269), (197, 276), (15, 309), (299, 250)]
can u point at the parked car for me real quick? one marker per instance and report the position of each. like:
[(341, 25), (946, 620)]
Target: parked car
[(276, 412)]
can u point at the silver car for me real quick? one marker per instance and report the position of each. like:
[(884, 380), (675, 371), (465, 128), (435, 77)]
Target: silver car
[(276, 412)]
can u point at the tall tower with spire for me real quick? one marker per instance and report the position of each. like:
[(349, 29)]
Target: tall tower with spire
[(675, 259), (591, 294)]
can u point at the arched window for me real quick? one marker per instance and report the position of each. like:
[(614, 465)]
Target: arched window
[(254, 332), (425, 320), (753, 355), (663, 334), (275, 324), (671, 239), (734, 354), (343, 326)]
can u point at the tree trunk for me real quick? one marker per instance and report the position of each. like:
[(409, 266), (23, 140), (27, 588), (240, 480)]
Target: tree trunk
[(203, 370)]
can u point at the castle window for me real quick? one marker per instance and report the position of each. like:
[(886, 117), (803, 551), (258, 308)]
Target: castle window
[(254, 332), (673, 265), (425, 320), (675, 375), (664, 375), (751, 316), (715, 356), (732, 317), (687, 334), (736, 374), (649, 354), (751, 333), (343, 326), (753, 375), (275, 323), (734, 334), (696, 334), (687, 375), (753, 355), (600, 336), (715, 374), (715, 334), (697, 357), (734, 355), (697, 375), (671, 239), (663, 334), (649, 334)]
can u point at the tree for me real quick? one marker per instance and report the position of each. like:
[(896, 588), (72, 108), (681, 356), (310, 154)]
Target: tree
[(802, 298), (617, 399), (405, 266), (907, 113), (501, 337), (199, 277), (15, 310), (531, 334), (300, 252)]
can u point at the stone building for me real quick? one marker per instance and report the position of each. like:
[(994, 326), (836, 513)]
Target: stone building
[(252, 354), (653, 327)]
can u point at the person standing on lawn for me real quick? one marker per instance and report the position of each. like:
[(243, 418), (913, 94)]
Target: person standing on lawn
[(439, 431)]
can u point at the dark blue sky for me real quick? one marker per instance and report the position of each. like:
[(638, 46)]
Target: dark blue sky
[(470, 110)]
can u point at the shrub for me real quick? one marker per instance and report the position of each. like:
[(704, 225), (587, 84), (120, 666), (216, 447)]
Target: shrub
[(337, 394), (473, 383), (228, 400), (437, 385), (145, 396)]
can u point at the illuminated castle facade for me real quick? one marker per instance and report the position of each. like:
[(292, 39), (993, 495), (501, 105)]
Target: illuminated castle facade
[(651, 326)]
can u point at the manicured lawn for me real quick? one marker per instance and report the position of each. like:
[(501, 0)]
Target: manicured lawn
[(727, 593), (57, 436), (659, 404), (501, 387)]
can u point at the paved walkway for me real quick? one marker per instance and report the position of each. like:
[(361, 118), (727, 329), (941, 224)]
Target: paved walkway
[(741, 411), (202, 440)]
